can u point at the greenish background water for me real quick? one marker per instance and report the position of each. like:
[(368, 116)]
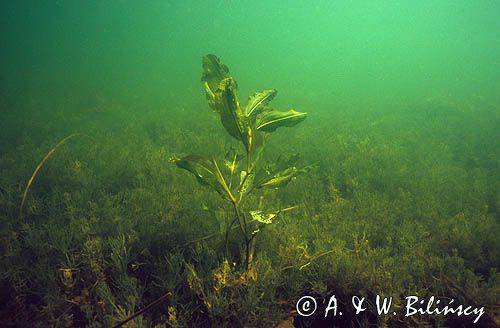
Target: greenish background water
[(319, 55)]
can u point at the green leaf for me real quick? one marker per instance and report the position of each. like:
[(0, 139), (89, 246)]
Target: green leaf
[(270, 120), (262, 217), (246, 181), (281, 178), (231, 114), (283, 162), (268, 217), (207, 173), (259, 101), (231, 160), (214, 71)]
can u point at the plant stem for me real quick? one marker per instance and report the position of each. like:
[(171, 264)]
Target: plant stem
[(247, 253), (39, 166), (226, 237), (154, 303), (235, 206), (244, 231)]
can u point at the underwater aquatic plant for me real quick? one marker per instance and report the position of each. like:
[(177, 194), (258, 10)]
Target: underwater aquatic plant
[(38, 167), (251, 125)]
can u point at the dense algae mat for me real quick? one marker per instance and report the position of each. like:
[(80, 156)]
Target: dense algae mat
[(110, 227)]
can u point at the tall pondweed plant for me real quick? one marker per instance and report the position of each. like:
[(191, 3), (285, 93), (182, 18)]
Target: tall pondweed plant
[(240, 176)]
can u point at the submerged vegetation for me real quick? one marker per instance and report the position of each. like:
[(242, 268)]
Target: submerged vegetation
[(403, 202), (252, 126)]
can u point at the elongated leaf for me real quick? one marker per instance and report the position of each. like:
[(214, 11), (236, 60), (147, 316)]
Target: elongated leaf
[(281, 178), (202, 169), (269, 121), (231, 160), (246, 181), (262, 217), (255, 140), (214, 71), (231, 115), (258, 101), (207, 173), (267, 217), (222, 181), (281, 163)]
